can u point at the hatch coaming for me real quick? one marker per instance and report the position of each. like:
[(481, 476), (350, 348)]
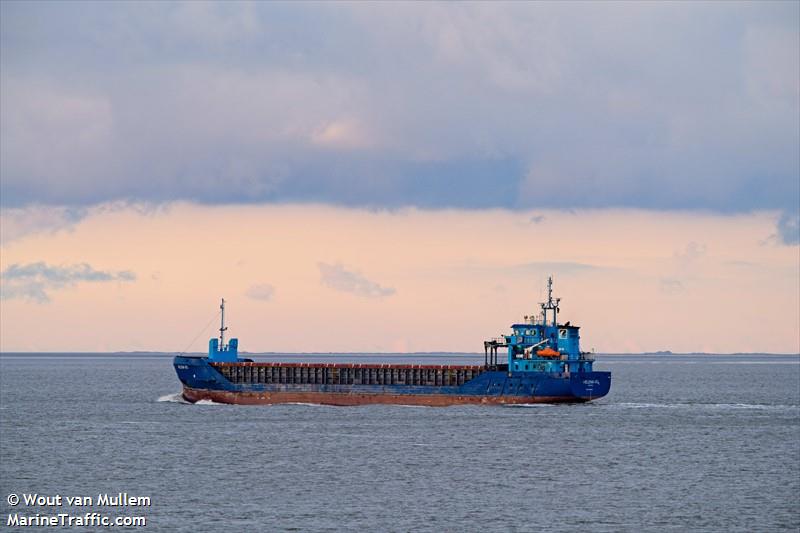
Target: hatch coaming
[(348, 374)]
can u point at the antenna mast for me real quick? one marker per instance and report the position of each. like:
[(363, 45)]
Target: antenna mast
[(222, 327), (551, 304)]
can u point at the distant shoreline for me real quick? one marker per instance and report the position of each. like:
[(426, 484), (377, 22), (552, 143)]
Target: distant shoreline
[(390, 354)]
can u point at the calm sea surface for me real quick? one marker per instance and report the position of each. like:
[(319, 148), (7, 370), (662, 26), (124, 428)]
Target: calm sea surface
[(701, 443)]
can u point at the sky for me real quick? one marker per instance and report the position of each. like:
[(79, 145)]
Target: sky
[(399, 176)]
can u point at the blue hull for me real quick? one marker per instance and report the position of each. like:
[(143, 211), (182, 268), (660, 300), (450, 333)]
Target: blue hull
[(202, 380)]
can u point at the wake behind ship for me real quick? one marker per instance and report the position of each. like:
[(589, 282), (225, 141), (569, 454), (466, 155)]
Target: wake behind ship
[(544, 364)]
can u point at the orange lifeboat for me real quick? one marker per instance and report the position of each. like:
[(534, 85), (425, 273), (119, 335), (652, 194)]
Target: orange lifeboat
[(548, 352)]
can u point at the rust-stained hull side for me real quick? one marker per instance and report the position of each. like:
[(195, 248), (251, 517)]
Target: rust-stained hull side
[(357, 398)]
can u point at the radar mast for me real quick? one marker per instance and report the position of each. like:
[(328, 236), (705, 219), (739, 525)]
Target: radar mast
[(551, 304)]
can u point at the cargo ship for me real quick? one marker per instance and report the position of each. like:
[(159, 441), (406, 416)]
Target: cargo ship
[(542, 364)]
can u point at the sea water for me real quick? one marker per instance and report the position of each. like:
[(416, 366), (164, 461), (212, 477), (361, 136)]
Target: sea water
[(701, 443)]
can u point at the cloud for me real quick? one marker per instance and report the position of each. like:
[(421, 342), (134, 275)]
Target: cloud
[(263, 292), (347, 134), (19, 222), (671, 285), (559, 267), (539, 268), (339, 278), (691, 253), (431, 105), (789, 228), (537, 219), (16, 223), (686, 263), (34, 281)]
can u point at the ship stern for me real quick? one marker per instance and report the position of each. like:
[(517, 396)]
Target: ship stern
[(589, 386)]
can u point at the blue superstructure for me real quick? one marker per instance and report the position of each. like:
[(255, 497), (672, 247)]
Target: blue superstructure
[(541, 344), (544, 364)]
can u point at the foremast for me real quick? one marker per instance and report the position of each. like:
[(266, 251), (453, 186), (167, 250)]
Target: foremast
[(218, 351), (222, 327)]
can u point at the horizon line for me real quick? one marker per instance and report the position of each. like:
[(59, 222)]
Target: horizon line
[(375, 353)]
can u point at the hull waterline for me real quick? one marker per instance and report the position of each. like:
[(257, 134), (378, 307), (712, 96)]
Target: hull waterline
[(355, 398)]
